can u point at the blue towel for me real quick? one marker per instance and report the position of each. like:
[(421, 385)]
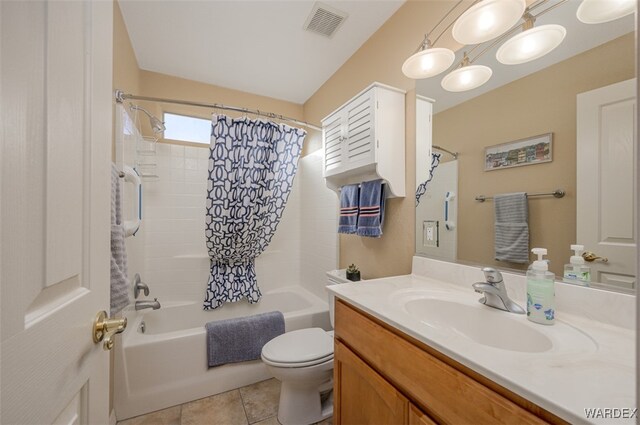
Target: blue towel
[(371, 209), (348, 222), (241, 339)]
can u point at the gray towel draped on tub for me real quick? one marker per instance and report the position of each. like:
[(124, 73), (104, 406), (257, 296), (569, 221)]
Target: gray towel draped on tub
[(119, 279), (241, 339), (511, 227)]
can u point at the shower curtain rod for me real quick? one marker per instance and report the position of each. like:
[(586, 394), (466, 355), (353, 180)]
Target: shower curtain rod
[(122, 96), (454, 154)]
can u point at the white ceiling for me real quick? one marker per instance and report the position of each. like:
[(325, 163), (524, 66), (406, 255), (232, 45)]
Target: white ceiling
[(256, 46), (580, 38)]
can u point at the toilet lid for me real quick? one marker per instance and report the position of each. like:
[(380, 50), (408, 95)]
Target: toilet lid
[(301, 346)]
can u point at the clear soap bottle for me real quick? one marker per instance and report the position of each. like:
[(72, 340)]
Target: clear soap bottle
[(541, 297), (577, 272)]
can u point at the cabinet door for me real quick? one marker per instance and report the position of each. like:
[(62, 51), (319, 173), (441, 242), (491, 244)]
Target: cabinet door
[(359, 145), (332, 135), (418, 417), (361, 396)]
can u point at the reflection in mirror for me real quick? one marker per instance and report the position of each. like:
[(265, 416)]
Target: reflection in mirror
[(583, 95)]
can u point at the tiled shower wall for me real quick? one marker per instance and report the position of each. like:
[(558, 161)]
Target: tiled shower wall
[(176, 264), (319, 224)]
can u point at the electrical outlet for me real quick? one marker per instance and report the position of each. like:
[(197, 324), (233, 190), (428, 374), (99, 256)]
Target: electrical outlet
[(430, 233)]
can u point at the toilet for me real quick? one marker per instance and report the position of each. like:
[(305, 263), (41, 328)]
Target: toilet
[(302, 361)]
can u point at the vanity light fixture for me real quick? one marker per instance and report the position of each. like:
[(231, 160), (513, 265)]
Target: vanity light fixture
[(600, 11), (532, 43), (428, 61), (487, 20), (466, 77)]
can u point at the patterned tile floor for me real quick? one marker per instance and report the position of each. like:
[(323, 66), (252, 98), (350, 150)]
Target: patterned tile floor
[(255, 404)]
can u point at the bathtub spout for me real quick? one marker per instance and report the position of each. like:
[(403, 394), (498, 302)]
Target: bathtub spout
[(140, 305)]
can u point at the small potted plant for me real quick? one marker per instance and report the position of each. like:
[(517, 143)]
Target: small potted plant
[(353, 274)]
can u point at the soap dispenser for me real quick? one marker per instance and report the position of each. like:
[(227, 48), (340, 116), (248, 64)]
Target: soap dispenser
[(541, 297), (576, 271)]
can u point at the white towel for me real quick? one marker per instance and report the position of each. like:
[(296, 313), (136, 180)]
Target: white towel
[(119, 279), (511, 228)]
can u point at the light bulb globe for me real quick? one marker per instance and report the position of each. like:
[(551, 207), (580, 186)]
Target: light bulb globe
[(428, 62), (531, 44), (466, 78), (487, 20)]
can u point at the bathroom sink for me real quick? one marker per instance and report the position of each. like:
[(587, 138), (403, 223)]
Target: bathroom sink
[(492, 328)]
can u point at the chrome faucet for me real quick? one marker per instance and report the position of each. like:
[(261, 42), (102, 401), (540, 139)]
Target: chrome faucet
[(139, 285), (140, 305), (495, 293)]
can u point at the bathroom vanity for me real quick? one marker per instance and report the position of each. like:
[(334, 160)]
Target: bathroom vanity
[(422, 386), (420, 349)]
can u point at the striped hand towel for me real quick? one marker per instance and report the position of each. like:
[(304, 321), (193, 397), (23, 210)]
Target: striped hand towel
[(511, 228), (371, 217), (349, 196)]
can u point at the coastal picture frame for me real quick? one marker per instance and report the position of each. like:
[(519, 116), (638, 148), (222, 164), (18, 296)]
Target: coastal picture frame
[(528, 151)]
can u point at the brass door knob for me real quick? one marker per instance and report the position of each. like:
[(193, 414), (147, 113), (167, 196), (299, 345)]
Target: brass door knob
[(104, 329), (590, 257)]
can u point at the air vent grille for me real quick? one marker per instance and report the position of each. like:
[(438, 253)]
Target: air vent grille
[(324, 20)]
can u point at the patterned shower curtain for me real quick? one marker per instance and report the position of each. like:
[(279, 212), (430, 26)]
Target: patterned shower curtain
[(252, 164)]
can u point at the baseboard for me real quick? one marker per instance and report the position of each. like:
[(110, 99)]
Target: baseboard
[(112, 417)]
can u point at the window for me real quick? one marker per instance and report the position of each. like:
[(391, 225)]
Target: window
[(187, 129)]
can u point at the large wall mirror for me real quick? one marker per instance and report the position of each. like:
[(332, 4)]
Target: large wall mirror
[(495, 140)]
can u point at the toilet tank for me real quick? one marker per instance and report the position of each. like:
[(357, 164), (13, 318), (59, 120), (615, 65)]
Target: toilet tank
[(334, 277)]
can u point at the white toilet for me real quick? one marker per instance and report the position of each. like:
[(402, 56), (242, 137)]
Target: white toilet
[(303, 361)]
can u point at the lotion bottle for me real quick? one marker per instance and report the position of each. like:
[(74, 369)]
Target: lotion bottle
[(541, 297), (576, 271)]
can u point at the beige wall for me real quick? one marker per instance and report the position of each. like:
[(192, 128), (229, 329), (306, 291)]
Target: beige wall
[(380, 59), (126, 74), (544, 102)]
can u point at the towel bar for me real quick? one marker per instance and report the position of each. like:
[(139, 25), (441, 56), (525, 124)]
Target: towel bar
[(558, 193)]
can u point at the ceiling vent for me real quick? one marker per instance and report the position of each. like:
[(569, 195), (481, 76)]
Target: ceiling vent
[(324, 20)]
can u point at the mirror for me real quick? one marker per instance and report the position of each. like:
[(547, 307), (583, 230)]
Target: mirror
[(564, 122)]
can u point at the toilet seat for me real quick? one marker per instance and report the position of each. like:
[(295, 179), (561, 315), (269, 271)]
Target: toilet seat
[(301, 348)]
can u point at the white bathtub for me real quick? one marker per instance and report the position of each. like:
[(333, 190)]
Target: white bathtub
[(167, 364)]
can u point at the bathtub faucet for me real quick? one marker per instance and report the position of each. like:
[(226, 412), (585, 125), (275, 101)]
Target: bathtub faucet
[(140, 305)]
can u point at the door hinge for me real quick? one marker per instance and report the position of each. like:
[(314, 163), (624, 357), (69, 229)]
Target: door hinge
[(377, 143), (377, 104)]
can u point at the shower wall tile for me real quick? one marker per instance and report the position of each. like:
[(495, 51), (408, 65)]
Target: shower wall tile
[(318, 226)]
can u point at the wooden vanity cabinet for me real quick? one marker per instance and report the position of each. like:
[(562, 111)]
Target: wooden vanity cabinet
[(382, 376)]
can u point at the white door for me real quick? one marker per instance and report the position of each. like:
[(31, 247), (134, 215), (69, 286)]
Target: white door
[(606, 187), (56, 81)]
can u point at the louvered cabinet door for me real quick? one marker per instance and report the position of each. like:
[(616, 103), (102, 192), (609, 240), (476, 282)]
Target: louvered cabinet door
[(333, 144), (359, 146)]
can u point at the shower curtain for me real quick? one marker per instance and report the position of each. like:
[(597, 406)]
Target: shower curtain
[(422, 187), (252, 164)]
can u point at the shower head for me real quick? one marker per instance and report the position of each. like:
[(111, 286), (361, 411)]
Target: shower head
[(156, 125)]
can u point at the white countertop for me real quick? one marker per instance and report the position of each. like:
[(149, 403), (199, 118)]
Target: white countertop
[(564, 380)]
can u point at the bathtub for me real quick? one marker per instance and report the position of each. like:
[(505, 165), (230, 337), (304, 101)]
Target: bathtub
[(167, 364)]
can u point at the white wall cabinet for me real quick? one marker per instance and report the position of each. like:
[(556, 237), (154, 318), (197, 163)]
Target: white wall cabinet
[(364, 140)]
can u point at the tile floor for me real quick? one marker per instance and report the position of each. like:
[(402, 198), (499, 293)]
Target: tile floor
[(255, 404)]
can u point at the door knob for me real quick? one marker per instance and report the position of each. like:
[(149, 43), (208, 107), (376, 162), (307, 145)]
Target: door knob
[(590, 257), (104, 329)]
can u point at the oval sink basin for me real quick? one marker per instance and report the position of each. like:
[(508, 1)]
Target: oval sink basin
[(492, 328)]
